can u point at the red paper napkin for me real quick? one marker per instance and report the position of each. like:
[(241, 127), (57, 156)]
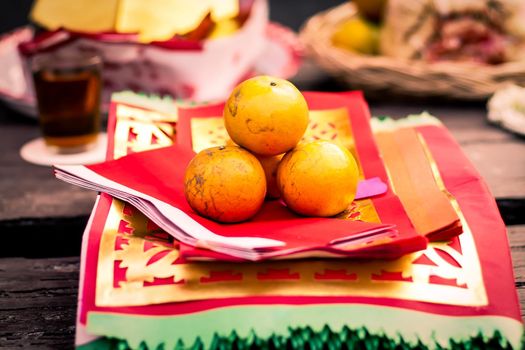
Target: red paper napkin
[(153, 182)]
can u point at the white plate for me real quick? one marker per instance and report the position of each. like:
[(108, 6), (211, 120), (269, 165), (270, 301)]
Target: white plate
[(37, 152)]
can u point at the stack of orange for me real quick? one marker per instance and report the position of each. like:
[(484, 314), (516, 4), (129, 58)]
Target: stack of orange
[(266, 118)]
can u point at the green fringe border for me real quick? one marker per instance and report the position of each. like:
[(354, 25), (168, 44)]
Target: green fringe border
[(277, 320), (305, 338)]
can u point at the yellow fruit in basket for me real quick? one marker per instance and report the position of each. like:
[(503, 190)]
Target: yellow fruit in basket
[(270, 165), (225, 183), (357, 34), (318, 178), (266, 115)]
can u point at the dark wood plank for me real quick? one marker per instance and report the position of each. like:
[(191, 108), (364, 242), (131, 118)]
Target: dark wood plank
[(49, 237), (37, 193), (34, 206), (38, 302), (517, 245)]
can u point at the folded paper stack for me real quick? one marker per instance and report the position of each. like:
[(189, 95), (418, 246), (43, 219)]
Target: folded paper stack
[(433, 270), (153, 182)]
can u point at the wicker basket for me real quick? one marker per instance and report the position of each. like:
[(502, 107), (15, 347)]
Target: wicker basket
[(410, 77)]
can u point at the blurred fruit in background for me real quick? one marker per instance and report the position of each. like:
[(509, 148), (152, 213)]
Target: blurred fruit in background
[(484, 31), (358, 34), (361, 33), (154, 20)]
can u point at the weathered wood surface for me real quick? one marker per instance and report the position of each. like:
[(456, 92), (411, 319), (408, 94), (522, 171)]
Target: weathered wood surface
[(517, 245), (38, 303), (38, 297), (34, 206), (30, 191)]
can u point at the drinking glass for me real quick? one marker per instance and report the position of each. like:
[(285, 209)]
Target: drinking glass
[(68, 89)]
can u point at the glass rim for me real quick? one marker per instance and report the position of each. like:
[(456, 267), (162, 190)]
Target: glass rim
[(62, 61)]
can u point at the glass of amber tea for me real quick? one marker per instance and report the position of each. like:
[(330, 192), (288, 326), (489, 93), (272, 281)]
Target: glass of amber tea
[(68, 89)]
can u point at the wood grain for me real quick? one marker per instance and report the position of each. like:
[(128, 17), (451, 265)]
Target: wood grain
[(517, 248), (38, 302), (37, 194)]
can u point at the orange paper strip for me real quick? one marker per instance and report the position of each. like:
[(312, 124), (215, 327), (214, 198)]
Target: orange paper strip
[(412, 180)]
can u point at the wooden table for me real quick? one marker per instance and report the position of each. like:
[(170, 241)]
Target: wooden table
[(41, 219)]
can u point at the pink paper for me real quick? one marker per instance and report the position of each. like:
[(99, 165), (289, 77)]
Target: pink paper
[(370, 187)]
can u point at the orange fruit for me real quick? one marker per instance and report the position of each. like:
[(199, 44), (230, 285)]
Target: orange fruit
[(357, 34), (270, 164), (266, 115), (318, 178), (225, 183)]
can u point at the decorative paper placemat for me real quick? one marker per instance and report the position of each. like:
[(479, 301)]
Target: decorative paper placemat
[(131, 289)]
